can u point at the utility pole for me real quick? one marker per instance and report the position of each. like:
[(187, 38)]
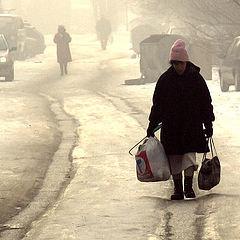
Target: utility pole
[(1, 7), (126, 15)]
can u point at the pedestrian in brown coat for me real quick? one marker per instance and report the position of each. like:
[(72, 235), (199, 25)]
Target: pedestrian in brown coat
[(62, 39)]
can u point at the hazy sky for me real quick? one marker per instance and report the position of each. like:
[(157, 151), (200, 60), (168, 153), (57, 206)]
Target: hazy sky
[(81, 3)]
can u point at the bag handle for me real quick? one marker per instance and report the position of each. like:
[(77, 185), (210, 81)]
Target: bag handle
[(155, 129), (212, 144), (212, 147), (205, 150), (136, 145)]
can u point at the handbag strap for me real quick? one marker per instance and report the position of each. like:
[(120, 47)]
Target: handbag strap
[(212, 147), (205, 150)]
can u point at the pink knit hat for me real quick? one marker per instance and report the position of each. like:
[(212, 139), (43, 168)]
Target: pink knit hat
[(178, 51)]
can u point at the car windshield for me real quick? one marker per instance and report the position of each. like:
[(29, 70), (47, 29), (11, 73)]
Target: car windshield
[(3, 45), (4, 21), (10, 23)]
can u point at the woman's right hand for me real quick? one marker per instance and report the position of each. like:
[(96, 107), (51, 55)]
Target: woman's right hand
[(150, 130)]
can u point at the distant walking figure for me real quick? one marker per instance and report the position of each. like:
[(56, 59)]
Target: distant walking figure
[(62, 39), (182, 103), (104, 29)]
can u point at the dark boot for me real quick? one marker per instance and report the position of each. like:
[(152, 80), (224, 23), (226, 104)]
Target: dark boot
[(188, 190), (178, 190)]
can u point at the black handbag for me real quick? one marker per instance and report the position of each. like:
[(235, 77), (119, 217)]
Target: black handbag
[(210, 171)]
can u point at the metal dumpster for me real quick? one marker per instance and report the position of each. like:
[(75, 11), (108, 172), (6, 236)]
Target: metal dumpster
[(139, 33), (154, 55)]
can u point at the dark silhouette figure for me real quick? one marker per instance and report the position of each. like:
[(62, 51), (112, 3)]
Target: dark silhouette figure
[(183, 104), (62, 39), (104, 29)]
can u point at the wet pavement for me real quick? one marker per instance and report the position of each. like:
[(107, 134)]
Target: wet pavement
[(34, 132)]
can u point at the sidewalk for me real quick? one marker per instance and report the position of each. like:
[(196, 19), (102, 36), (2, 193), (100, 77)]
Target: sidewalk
[(26, 125), (103, 201)]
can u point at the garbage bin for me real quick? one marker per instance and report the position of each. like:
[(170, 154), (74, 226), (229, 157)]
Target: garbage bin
[(154, 55), (139, 33)]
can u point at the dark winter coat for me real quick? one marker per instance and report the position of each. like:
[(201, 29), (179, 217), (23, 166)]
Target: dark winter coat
[(63, 51), (103, 28), (182, 104)]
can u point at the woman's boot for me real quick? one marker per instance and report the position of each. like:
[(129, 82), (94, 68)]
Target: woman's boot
[(188, 190), (178, 190)]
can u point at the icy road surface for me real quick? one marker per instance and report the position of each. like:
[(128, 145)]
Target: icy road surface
[(104, 200)]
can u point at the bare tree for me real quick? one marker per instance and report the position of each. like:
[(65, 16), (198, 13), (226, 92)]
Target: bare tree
[(217, 21)]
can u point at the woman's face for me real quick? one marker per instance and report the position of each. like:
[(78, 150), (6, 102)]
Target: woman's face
[(179, 66), (61, 29)]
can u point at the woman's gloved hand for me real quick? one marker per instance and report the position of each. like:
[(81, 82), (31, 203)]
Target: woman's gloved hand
[(150, 130), (208, 132), (208, 129)]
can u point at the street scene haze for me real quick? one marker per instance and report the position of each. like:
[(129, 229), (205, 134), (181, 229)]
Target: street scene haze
[(85, 86)]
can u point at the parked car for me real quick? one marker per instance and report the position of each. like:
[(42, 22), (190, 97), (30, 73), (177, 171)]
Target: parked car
[(6, 59), (229, 71), (35, 42), (12, 27)]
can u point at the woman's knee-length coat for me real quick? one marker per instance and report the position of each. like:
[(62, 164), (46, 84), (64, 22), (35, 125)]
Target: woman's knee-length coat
[(63, 50), (183, 105)]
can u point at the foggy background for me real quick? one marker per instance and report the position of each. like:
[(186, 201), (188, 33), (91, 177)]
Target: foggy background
[(79, 16), (63, 128), (217, 21)]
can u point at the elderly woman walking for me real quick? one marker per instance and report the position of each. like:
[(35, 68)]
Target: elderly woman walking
[(182, 102), (62, 39)]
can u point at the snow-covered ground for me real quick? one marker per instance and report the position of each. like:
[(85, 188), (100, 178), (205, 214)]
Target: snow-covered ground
[(226, 105), (104, 200)]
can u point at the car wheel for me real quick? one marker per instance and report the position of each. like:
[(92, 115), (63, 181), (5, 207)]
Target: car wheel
[(237, 81), (223, 85), (10, 76)]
